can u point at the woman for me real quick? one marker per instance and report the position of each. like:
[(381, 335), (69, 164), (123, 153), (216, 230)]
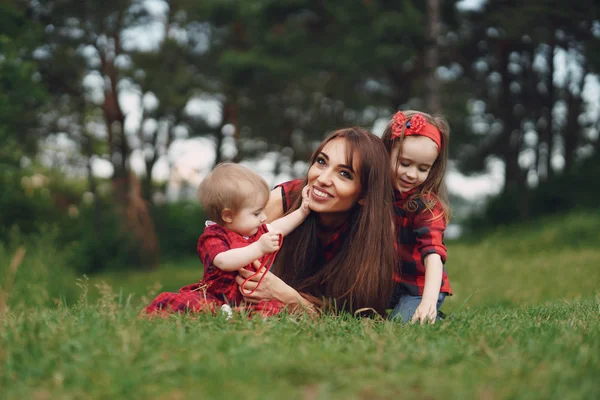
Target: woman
[(342, 256)]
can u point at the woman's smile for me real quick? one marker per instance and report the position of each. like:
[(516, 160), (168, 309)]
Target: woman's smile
[(319, 194)]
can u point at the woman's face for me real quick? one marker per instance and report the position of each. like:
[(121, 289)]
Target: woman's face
[(334, 186)]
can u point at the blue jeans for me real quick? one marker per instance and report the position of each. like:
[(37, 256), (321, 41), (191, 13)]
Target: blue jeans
[(407, 305)]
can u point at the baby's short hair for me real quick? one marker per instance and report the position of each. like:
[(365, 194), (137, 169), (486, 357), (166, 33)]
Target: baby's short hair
[(230, 186)]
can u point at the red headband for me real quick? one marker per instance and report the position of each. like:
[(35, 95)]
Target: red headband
[(417, 125)]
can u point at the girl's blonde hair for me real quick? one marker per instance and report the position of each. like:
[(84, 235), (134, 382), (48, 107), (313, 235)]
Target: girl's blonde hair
[(433, 190), (230, 186)]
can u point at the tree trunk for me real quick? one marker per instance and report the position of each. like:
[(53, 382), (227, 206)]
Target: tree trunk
[(230, 115), (147, 181), (286, 141), (126, 188), (572, 130), (508, 138), (219, 144), (432, 83), (547, 134), (93, 187), (514, 178), (235, 120)]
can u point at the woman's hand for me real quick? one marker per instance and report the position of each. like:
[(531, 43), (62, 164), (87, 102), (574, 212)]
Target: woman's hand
[(271, 287)]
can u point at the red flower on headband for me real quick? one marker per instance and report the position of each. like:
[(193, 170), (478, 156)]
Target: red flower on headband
[(398, 121), (416, 123)]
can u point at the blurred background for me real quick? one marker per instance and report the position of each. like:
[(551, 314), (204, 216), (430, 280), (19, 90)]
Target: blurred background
[(111, 112)]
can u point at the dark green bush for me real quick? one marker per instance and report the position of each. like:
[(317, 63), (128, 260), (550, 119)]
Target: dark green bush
[(98, 241), (26, 209), (91, 238), (565, 192), (178, 226)]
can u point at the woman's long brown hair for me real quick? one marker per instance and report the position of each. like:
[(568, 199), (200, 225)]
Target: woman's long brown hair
[(360, 275)]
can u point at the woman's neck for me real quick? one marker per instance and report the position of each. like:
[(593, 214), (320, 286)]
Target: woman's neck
[(329, 223)]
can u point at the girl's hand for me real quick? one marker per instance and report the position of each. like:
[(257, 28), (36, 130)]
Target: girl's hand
[(305, 200), (425, 312), (271, 287)]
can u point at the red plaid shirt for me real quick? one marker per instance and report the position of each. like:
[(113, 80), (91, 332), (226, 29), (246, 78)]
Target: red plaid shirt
[(289, 193), (212, 242), (420, 233), (217, 287)]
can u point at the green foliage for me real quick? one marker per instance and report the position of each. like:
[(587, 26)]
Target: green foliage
[(91, 235), (22, 95), (25, 208), (571, 190), (44, 278), (98, 241), (178, 227)]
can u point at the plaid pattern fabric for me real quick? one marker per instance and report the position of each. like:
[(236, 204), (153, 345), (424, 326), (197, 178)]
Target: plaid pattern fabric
[(194, 299), (290, 191), (217, 287), (418, 236), (216, 240)]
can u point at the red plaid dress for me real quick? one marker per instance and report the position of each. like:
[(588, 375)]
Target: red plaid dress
[(217, 287), (420, 233)]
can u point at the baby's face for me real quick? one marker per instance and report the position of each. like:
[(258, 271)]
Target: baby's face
[(248, 219)]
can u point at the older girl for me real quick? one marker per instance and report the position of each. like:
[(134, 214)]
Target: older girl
[(418, 148)]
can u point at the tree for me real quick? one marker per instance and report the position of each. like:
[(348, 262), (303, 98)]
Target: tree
[(509, 55), (22, 95), (91, 33)]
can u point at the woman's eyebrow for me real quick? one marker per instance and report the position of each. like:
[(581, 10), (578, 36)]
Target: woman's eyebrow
[(339, 165)]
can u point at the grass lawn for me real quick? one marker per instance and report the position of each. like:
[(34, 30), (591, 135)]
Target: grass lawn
[(525, 323)]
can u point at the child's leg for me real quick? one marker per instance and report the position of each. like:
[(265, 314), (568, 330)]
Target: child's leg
[(407, 305)]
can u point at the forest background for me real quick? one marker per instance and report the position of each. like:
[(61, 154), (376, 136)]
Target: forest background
[(103, 103)]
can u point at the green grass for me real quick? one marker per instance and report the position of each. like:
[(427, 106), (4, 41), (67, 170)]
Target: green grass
[(525, 323), (551, 259), (142, 286)]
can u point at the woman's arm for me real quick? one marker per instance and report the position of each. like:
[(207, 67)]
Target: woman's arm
[(271, 288), (274, 207)]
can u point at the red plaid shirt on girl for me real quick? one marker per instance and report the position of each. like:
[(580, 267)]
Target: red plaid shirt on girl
[(420, 233)]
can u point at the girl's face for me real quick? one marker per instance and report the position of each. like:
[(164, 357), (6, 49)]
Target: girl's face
[(412, 160), (334, 186)]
